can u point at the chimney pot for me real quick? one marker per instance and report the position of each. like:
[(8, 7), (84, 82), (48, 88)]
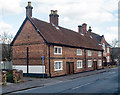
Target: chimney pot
[(51, 11), (90, 29), (55, 11), (29, 3)]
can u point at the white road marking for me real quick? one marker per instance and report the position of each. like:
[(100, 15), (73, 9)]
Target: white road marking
[(82, 85)]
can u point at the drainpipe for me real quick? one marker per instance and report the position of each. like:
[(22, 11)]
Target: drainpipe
[(102, 61), (27, 60), (85, 57), (49, 60)]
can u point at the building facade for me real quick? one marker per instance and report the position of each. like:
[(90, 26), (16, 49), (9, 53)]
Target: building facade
[(46, 48)]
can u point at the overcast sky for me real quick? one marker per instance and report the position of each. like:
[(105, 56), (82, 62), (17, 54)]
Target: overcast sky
[(101, 15)]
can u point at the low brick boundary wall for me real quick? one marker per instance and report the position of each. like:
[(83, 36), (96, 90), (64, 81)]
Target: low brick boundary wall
[(17, 76), (4, 78)]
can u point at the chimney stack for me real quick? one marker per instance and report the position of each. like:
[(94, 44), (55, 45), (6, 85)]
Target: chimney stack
[(54, 17), (29, 9), (89, 31), (79, 28), (84, 28)]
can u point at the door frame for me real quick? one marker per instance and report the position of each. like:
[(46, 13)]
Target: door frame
[(68, 67), (95, 67)]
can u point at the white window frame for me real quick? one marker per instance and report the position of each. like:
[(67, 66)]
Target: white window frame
[(108, 50), (99, 53), (89, 63), (80, 52), (99, 62), (58, 65), (57, 50), (108, 58), (89, 53), (79, 62)]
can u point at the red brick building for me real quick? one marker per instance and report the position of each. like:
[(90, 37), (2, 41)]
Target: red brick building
[(46, 48), (106, 47)]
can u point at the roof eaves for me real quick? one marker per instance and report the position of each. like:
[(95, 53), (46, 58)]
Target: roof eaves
[(11, 44), (37, 30)]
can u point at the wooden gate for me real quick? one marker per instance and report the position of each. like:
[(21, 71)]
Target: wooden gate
[(70, 67)]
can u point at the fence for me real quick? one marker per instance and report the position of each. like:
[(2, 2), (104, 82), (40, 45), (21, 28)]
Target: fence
[(6, 65)]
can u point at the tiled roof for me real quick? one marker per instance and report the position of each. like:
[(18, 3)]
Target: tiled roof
[(98, 38), (63, 36)]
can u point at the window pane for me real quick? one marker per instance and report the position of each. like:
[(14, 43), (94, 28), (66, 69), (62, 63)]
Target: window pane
[(78, 64), (55, 66), (59, 65), (79, 51), (59, 50), (55, 50)]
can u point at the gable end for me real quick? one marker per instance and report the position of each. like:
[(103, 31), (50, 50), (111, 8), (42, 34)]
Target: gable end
[(19, 31)]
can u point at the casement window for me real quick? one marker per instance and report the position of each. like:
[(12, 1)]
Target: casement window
[(57, 50), (79, 63), (89, 53), (58, 65), (108, 51), (79, 52), (89, 63), (100, 62), (99, 53), (108, 59)]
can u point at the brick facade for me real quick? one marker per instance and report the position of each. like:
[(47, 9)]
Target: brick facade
[(107, 51), (33, 47), (37, 48)]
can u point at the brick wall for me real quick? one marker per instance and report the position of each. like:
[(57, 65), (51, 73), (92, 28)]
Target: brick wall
[(31, 39), (37, 48), (106, 54), (70, 55)]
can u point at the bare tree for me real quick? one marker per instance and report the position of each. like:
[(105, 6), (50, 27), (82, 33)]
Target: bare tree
[(114, 43), (115, 51), (5, 40)]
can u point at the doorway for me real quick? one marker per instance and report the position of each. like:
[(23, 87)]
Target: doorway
[(95, 65), (70, 67)]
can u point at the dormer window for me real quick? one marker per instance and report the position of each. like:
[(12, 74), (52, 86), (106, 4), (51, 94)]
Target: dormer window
[(57, 50)]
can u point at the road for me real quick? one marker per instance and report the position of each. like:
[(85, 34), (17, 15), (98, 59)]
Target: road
[(106, 82)]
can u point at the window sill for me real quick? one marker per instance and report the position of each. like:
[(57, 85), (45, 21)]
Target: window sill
[(58, 70), (79, 67), (57, 53)]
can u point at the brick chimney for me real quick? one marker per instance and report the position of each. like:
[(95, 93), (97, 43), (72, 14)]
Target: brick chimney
[(29, 9), (54, 17), (79, 28), (88, 33), (84, 28)]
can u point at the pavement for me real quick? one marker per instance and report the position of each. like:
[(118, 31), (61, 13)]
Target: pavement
[(30, 82)]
